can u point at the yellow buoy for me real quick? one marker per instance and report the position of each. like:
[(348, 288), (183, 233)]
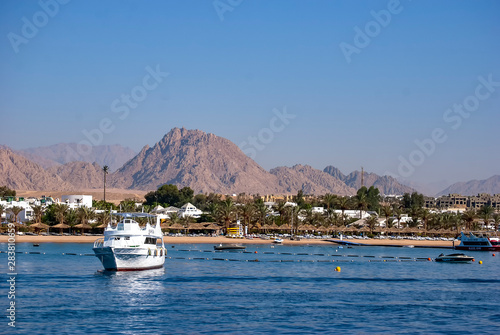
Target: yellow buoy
[(480, 262), (337, 269)]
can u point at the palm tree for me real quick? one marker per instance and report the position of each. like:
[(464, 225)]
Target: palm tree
[(468, 217), (425, 215), (261, 210), (485, 213), (246, 211), (281, 209), (227, 211), (496, 220), (398, 215), (105, 169), (38, 211), (213, 209), (362, 203), (387, 210), (15, 210), (2, 210), (343, 204), (371, 222), (174, 218), (85, 214), (60, 212), (329, 200)]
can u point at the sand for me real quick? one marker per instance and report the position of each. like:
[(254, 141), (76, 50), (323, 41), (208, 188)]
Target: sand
[(225, 240)]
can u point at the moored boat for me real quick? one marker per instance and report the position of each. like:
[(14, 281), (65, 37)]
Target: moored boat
[(278, 241), (128, 247), (481, 243), (228, 247), (454, 258)]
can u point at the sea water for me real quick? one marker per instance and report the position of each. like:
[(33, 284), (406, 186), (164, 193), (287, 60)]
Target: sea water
[(263, 290)]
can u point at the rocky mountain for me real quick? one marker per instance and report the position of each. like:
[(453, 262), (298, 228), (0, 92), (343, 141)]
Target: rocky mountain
[(17, 172), (204, 162), (385, 184), (474, 187), (113, 156), (310, 180), (81, 175)]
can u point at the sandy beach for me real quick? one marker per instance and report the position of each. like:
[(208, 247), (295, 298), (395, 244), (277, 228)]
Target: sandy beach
[(221, 239)]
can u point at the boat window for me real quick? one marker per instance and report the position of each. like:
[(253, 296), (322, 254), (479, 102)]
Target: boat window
[(120, 226), (150, 240), (127, 238)]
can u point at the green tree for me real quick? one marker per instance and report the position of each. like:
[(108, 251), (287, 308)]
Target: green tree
[(128, 205), (299, 199), (362, 203), (6, 192), (227, 211), (38, 212), (485, 213), (387, 212), (496, 220), (413, 200), (60, 212), (15, 210), (343, 205), (371, 222), (246, 211), (169, 194), (2, 210), (329, 200), (468, 217)]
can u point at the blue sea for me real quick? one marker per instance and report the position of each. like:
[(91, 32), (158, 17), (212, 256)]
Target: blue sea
[(265, 290)]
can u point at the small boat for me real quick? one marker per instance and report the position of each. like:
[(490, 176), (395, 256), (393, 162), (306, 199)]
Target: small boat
[(454, 258), (473, 242), (228, 247), (128, 247), (36, 244), (278, 241)]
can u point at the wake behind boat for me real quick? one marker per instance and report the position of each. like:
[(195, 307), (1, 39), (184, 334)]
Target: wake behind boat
[(128, 247)]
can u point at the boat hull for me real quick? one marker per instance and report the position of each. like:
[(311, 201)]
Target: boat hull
[(130, 259), (478, 248)]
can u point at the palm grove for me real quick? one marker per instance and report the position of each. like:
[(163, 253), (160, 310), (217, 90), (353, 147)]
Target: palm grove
[(257, 216)]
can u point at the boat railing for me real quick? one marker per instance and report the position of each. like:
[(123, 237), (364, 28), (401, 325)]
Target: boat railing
[(99, 243)]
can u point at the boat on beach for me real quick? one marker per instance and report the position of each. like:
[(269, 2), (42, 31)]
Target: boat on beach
[(454, 258), (481, 243), (128, 247), (278, 241), (229, 247)]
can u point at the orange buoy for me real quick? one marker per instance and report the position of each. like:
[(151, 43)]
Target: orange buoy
[(255, 252), (493, 255), (429, 259), (473, 260)]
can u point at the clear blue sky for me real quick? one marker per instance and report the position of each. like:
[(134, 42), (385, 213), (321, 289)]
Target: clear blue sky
[(226, 77)]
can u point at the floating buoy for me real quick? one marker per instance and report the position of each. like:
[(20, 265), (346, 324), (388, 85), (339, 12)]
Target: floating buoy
[(255, 252), (337, 269), (480, 262), (493, 255), (429, 259), (473, 260)]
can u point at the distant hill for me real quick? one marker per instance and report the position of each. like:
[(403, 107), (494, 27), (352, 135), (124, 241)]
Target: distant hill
[(113, 156), (81, 175), (309, 180), (474, 187), (17, 172), (204, 162), (385, 184)]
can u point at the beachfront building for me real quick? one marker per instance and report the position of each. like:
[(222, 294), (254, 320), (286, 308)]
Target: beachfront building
[(189, 210), (25, 215), (76, 201)]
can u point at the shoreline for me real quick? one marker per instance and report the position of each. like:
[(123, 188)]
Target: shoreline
[(224, 240)]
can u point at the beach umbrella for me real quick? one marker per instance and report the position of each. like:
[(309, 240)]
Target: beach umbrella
[(83, 226), (39, 226), (61, 226), (176, 226)]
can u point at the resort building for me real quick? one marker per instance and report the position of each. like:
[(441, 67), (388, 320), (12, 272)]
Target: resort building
[(189, 210), (76, 201)]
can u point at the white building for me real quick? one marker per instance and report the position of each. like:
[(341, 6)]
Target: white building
[(189, 210), (76, 201)]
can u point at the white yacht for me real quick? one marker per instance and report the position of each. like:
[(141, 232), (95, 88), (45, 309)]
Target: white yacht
[(128, 247)]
